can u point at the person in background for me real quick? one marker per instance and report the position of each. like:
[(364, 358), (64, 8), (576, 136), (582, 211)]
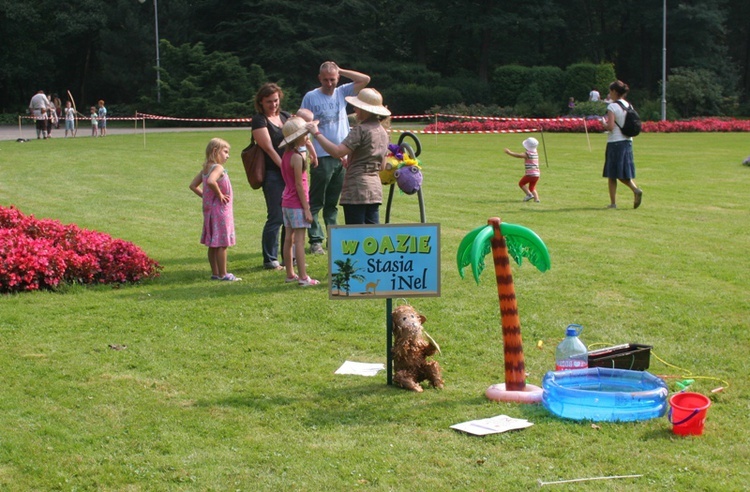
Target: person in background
[(531, 165), (328, 105), (594, 95), (38, 108), (619, 164), (267, 126), (367, 142), (70, 119), (58, 108), (213, 186), (94, 123), (102, 119), (52, 120)]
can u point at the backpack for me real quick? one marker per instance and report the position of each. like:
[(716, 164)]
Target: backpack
[(632, 125)]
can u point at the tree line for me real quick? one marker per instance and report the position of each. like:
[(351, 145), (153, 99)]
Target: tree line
[(215, 53)]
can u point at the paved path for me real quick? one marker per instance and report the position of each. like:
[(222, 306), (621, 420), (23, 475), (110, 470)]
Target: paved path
[(9, 132)]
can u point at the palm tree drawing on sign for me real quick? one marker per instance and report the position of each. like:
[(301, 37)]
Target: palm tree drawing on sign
[(505, 240), (346, 273)]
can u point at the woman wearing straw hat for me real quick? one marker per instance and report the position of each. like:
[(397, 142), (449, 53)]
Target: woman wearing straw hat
[(367, 146)]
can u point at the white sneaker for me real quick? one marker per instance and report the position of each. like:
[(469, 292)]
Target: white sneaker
[(528, 197)]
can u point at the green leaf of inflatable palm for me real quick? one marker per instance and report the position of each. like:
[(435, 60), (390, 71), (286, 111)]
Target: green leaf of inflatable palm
[(522, 243), (463, 258)]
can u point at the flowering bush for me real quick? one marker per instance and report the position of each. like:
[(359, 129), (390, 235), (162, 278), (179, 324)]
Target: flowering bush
[(592, 124), (41, 253)]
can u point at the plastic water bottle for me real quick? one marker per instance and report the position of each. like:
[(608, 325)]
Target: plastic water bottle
[(571, 353)]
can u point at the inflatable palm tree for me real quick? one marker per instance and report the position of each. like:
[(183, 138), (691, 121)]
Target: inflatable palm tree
[(505, 240)]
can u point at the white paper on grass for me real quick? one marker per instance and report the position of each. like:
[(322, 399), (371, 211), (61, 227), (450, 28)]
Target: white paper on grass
[(360, 368), (492, 425)]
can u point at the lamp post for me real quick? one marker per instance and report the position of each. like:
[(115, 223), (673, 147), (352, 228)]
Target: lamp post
[(156, 36)]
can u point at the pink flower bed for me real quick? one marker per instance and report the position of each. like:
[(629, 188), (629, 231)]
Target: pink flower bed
[(42, 253), (576, 125)]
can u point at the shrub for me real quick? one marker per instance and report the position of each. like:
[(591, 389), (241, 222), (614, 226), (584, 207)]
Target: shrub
[(408, 99), (580, 78), (42, 253), (550, 81), (473, 90), (694, 92), (592, 108), (508, 81), (473, 110)]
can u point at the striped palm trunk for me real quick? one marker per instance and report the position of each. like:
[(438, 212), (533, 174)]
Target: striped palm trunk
[(515, 369)]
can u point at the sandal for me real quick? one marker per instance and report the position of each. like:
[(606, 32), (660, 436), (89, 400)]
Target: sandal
[(229, 277), (273, 265), (290, 280), (307, 282), (215, 277)]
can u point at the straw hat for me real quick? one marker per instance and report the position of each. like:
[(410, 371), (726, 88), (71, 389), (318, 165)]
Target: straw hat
[(292, 130), (370, 100), (530, 143)]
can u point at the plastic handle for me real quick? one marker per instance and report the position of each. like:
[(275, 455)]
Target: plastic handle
[(695, 412), (578, 329)]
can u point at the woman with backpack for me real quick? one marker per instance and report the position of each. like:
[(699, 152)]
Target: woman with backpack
[(618, 163)]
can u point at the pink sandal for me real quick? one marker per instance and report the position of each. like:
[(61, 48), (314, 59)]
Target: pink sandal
[(308, 282)]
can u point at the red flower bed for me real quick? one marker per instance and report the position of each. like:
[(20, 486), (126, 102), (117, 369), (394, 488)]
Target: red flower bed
[(42, 253), (592, 124)]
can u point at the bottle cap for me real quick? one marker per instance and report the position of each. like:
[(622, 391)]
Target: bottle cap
[(573, 330)]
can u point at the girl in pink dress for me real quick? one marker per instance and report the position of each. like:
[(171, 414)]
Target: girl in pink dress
[(212, 184)]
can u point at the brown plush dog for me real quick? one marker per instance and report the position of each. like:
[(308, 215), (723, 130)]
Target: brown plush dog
[(411, 349)]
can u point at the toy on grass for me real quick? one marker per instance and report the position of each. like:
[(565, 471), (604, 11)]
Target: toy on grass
[(506, 240), (411, 347), (402, 166)]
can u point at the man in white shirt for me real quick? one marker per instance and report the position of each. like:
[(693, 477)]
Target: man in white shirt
[(328, 105), (38, 107)]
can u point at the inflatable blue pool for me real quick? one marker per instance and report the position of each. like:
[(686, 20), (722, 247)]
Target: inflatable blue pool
[(603, 394)]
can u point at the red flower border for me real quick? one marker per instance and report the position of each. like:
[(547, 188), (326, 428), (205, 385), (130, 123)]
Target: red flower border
[(43, 253), (591, 124)]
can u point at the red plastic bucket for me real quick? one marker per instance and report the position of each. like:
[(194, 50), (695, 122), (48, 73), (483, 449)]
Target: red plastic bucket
[(688, 413)]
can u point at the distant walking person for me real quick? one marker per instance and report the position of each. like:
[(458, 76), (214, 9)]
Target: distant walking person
[(328, 105), (213, 186), (531, 166), (594, 95), (619, 163), (38, 106)]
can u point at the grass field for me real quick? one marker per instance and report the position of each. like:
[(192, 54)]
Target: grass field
[(230, 386)]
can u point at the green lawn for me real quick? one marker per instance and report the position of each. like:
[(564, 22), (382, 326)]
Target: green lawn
[(230, 386)]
